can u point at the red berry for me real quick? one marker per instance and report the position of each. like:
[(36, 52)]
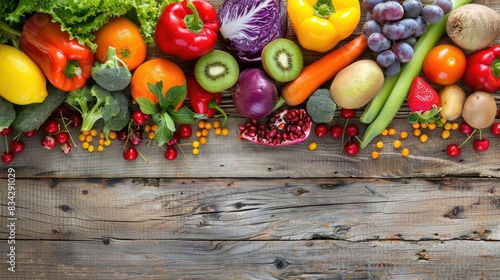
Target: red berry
[(30, 133), (351, 130), (176, 138), (321, 129), (76, 120), (62, 137), (7, 157), (336, 131), (66, 148), (139, 117), (130, 153), (185, 131), (51, 126), (466, 128), (6, 131), (481, 144), (171, 153), (453, 150), (122, 135), (351, 148), (135, 138), (347, 113), (16, 146), (61, 112), (48, 142), (495, 129)]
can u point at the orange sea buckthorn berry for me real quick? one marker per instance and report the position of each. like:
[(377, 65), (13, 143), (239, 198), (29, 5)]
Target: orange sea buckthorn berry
[(392, 131), (405, 152), (432, 126), (417, 132), (208, 125), (385, 132), (225, 131), (93, 132), (423, 138), (312, 146), (447, 126), (100, 148), (112, 134), (81, 137), (204, 132), (195, 151), (85, 145), (397, 144), (91, 148), (375, 155), (424, 125), (218, 131), (107, 142), (454, 126), (89, 138), (216, 124), (201, 124), (415, 125), (195, 144), (379, 144), (403, 135), (445, 134), (203, 140)]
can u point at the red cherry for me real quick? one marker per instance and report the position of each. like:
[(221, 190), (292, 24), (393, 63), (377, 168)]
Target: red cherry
[(336, 131), (66, 148), (122, 135), (351, 130), (48, 142), (171, 153), (347, 113), (30, 133), (139, 117), (130, 153), (185, 131), (76, 120), (61, 112), (16, 146), (453, 150), (51, 126), (62, 137), (6, 131), (176, 138), (321, 129), (466, 128), (7, 157), (481, 144), (135, 138), (351, 148), (495, 129)]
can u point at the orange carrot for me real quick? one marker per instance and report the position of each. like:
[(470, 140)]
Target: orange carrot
[(322, 70)]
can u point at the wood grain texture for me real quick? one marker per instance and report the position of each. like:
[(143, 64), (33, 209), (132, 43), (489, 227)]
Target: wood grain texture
[(318, 259), (355, 210)]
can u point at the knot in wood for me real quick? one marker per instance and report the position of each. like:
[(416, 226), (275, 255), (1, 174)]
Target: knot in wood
[(280, 263)]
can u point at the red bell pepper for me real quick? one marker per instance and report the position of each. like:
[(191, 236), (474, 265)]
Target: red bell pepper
[(203, 101), (188, 29), (66, 63), (483, 69)]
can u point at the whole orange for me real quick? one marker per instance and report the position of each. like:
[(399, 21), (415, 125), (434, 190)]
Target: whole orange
[(153, 71), (125, 36)]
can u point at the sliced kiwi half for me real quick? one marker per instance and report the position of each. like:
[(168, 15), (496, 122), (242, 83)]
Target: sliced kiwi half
[(282, 59), (217, 71)]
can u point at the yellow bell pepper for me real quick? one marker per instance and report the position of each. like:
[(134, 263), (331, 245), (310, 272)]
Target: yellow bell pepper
[(321, 24)]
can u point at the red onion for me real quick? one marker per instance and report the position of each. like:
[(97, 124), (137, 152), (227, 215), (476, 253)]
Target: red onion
[(255, 94)]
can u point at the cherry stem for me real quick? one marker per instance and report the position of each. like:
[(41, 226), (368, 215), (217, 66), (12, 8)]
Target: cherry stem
[(6, 144), (468, 137)]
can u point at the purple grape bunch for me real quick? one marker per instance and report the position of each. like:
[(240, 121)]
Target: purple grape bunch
[(392, 28)]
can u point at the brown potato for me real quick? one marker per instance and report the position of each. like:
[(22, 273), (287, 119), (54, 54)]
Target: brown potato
[(479, 109), (452, 98)]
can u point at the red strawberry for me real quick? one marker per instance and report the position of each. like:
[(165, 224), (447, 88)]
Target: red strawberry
[(423, 101)]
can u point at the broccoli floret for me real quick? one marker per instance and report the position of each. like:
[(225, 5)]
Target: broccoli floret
[(120, 120), (113, 74), (102, 104)]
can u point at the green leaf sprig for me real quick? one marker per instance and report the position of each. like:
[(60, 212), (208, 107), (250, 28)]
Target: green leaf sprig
[(164, 114)]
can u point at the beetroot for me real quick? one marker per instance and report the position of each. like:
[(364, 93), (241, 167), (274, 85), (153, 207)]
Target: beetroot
[(286, 127)]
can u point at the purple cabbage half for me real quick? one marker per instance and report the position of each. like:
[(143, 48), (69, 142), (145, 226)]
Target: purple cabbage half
[(249, 25)]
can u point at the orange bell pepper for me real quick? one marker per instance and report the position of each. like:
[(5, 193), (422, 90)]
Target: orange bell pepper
[(66, 63)]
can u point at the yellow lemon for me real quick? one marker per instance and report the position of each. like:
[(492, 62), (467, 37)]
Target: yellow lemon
[(21, 80)]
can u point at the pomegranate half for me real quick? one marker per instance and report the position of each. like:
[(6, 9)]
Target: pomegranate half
[(283, 128)]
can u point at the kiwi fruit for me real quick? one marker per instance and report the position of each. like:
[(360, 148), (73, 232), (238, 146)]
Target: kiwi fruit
[(282, 59), (216, 71)]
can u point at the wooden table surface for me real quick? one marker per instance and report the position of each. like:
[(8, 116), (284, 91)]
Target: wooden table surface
[(243, 211)]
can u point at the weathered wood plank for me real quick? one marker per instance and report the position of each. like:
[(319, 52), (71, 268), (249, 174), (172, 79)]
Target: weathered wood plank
[(323, 259), (252, 209), (231, 157)]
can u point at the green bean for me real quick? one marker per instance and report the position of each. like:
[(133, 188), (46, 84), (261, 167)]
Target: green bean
[(409, 71)]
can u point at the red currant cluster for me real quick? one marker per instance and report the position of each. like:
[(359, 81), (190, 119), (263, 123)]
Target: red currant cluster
[(348, 133)]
